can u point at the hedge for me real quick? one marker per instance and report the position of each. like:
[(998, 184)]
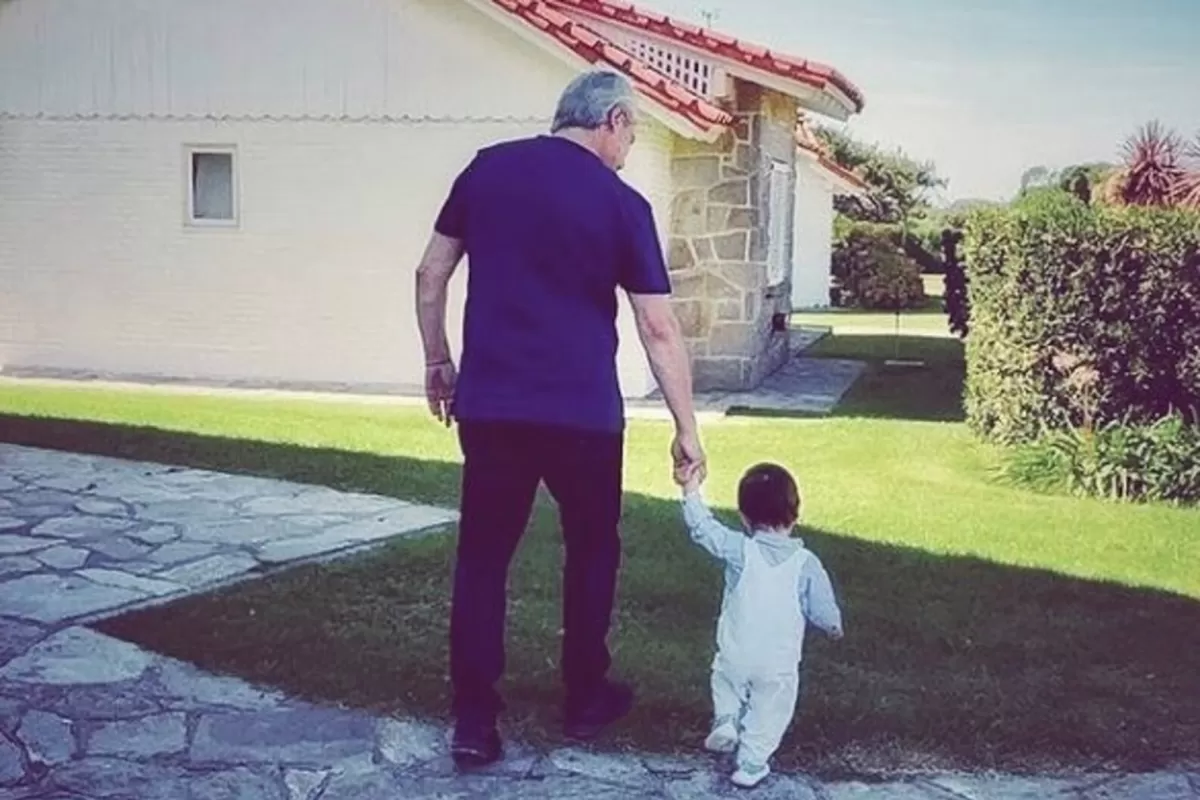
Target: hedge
[(871, 270), (1064, 297)]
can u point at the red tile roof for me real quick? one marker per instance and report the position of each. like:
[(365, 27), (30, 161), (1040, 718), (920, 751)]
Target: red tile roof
[(812, 73), (806, 140), (596, 49)]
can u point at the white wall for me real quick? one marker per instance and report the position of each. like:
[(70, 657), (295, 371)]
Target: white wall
[(97, 268), (318, 58), (98, 99), (316, 284), (813, 248)]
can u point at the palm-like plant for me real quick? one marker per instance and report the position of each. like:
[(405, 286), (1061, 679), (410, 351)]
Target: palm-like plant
[(1186, 192), (1152, 165)]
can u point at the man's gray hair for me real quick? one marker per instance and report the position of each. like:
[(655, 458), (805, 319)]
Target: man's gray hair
[(590, 98)]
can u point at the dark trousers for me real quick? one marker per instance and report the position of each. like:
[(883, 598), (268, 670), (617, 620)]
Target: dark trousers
[(504, 465)]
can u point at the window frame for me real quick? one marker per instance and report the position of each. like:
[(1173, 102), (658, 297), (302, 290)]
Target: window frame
[(777, 222), (190, 151)]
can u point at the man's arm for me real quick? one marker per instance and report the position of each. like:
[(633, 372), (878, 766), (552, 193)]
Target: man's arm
[(442, 255), (433, 280), (648, 285), (662, 338)]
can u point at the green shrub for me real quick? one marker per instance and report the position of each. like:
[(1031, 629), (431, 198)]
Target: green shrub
[(924, 242), (1117, 289), (954, 282), (930, 262), (870, 270), (1158, 461), (1046, 199)]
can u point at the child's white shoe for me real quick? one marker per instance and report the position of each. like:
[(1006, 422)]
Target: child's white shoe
[(748, 778), (723, 739)]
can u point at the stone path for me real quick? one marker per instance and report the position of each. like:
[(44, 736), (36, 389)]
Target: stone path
[(83, 715), (803, 385), (82, 537)]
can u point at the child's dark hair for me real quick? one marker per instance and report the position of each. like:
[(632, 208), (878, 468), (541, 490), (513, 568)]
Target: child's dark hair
[(768, 497)]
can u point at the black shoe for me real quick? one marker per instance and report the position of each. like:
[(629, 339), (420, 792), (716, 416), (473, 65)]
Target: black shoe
[(586, 717), (475, 746)]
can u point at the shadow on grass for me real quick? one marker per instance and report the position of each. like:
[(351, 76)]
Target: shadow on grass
[(948, 661), (772, 413), (930, 392)]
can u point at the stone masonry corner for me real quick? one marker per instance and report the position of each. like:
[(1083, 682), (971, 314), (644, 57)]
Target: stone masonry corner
[(719, 242)]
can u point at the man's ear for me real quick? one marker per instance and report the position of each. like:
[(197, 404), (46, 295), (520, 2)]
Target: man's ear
[(618, 115), (614, 117)]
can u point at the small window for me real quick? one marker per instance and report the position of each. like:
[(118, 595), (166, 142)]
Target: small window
[(212, 186)]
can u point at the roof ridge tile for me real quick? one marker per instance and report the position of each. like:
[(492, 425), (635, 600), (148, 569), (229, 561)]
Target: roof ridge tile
[(806, 71), (594, 47)]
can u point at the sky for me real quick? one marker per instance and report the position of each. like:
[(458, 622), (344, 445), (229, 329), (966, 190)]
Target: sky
[(989, 88)]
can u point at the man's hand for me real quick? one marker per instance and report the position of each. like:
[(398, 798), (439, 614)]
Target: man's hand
[(687, 455), (439, 390)]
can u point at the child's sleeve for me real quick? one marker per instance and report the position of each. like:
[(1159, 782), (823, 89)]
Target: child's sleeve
[(706, 531), (817, 600)]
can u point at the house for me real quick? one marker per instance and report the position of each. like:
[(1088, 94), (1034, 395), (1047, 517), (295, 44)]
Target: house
[(818, 179), (239, 190)]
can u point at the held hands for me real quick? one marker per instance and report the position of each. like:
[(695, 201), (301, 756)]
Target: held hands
[(692, 484), (440, 378), (690, 465)]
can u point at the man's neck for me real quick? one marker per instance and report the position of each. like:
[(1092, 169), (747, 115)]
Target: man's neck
[(582, 137)]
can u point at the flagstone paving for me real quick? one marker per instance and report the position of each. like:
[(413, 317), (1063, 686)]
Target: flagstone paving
[(87, 716), (802, 386)]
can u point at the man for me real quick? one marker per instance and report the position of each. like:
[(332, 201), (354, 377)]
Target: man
[(551, 233)]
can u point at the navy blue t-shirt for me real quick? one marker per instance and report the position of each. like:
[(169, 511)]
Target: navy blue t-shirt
[(551, 233)]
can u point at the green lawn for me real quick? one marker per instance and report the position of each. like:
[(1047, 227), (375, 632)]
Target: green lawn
[(917, 322), (986, 626), (930, 391), (928, 320)]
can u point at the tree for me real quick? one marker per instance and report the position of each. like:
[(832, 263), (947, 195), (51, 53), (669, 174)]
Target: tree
[(1037, 177), (957, 302), (899, 186), (1082, 180), (963, 206)]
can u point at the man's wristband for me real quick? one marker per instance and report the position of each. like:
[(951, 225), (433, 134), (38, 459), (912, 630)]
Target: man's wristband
[(444, 362)]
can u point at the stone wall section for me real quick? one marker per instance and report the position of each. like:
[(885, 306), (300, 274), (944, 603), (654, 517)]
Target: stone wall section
[(718, 246)]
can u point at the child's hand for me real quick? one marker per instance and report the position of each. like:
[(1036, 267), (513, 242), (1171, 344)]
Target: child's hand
[(691, 484), (836, 634)]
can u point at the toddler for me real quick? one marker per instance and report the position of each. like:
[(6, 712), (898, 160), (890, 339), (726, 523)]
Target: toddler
[(773, 585)]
